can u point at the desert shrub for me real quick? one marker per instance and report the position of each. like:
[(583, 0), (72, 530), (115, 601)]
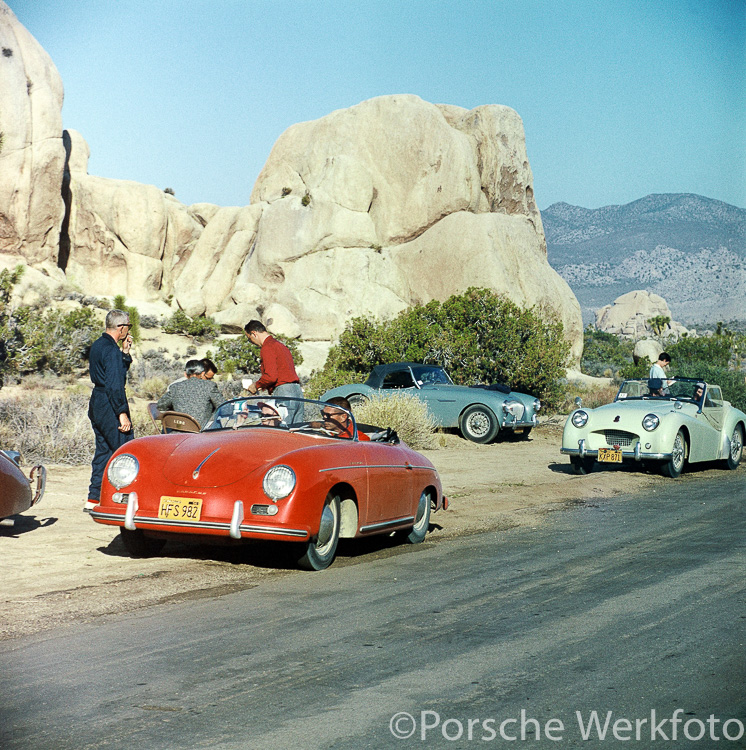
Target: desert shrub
[(201, 327), (322, 381), (48, 428), (604, 354), (151, 388), (478, 336), (154, 364), (237, 355), (150, 321), (405, 414), (39, 338), (693, 350)]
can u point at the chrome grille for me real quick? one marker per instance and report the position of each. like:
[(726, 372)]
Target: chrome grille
[(619, 437), (260, 510)]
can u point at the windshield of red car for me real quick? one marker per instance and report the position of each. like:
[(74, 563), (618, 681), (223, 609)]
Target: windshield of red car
[(289, 414)]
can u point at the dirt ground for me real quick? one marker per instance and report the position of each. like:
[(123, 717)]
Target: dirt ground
[(59, 567)]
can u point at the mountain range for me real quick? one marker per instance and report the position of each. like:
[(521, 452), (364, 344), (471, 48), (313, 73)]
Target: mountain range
[(689, 249)]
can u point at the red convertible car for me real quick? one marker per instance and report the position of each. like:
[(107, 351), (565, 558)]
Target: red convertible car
[(289, 470)]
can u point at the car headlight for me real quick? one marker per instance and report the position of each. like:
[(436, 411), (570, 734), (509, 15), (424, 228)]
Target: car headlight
[(123, 470), (650, 422), (580, 418), (537, 404), (278, 482)]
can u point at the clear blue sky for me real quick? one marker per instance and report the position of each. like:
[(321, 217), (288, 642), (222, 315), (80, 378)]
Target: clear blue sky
[(619, 98)]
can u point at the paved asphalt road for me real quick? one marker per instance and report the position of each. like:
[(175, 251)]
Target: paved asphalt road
[(629, 605)]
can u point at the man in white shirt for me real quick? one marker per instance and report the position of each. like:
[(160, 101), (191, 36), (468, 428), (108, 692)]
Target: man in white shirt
[(658, 371)]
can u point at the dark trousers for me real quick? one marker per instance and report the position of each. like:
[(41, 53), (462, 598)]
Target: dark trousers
[(108, 439)]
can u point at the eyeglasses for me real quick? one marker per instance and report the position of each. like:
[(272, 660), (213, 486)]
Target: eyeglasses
[(125, 325), (332, 414)]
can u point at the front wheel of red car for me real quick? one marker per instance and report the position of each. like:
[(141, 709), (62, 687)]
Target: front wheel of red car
[(139, 545), (421, 520), (320, 551)]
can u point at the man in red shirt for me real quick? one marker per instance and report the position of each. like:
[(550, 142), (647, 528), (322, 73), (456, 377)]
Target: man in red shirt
[(278, 369)]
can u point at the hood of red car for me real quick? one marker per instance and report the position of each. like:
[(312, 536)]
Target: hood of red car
[(205, 460)]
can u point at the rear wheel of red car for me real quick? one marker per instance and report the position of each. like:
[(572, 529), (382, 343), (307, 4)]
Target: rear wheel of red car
[(421, 519), (736, 448), (139, 545), (582, 465), (320, 551), (672, 468), (478, 424)]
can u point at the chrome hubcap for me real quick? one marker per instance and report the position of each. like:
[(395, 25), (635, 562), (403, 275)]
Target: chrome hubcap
[(419, 520), (326, 528), (736, 445), (478, 423), (677, 455)]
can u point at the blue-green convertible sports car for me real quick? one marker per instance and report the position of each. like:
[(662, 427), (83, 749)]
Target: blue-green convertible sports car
[(667, 422), (480, 411)]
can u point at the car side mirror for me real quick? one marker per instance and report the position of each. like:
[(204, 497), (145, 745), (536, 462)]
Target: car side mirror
[(578, 402)]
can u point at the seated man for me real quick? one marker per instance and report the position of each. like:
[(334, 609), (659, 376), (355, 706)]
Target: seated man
[(699, 396), (338, 421), (193, 396), (273, 415), (655, 386)]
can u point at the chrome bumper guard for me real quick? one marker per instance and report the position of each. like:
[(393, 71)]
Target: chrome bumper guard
[(635, 455)]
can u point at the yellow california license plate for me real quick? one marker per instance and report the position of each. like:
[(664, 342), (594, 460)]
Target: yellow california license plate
[(610, 455), (180, 508)]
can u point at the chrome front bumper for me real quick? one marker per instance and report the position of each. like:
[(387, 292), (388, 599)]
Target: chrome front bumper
[(634, 455)]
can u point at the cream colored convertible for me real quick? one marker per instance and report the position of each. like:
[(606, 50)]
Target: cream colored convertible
[(670, 422)]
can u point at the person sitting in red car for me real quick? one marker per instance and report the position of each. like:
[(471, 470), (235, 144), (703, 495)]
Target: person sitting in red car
[(337, 420)]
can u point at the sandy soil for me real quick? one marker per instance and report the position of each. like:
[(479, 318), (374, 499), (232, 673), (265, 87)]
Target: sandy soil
[(60, 567)]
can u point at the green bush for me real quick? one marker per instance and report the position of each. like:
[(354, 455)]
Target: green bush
[(478, 336), (238, 355), (604, 352), (201, 327), (36, 339), (692, 350)]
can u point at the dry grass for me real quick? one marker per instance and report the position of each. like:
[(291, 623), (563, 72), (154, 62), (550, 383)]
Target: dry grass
[(406, 414), (591, 396), (47, 427)]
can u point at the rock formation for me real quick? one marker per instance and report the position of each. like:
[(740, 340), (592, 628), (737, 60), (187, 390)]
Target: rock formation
[(31, 151), (122, 237), (371, 209), (630, 315)]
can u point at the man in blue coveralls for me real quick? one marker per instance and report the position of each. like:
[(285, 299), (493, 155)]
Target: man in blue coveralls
[(108, 409)]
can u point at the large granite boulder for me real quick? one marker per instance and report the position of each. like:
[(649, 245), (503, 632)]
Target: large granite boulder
[(32, 156), (631, 314), (122, 237), (371, 209)]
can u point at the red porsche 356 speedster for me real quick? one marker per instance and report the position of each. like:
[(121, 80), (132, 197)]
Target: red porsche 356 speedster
[(283, 469)]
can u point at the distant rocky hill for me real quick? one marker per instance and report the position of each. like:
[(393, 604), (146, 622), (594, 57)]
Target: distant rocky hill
[(689, 249)]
